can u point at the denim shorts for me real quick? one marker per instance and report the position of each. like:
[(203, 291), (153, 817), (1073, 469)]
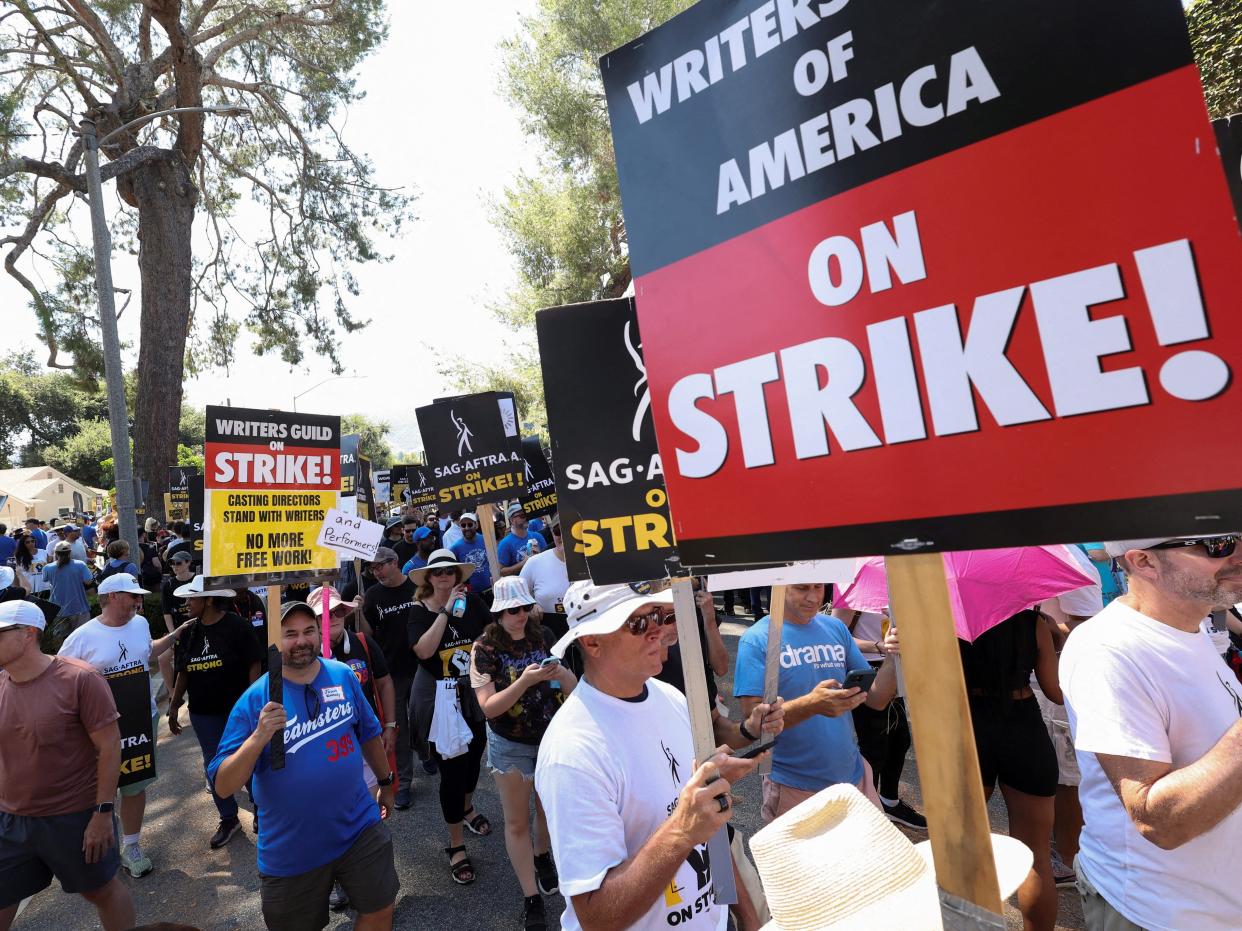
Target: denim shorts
[(506, 756)]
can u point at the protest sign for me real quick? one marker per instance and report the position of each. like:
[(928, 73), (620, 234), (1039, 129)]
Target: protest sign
[(609, 475), (540, 497), (473, 451), (350, 535), (131, 690), (364, 492), (420, 492), (349, 471), (938, 278), (185, 491), (271, 478), (399, 485), (383, 486)]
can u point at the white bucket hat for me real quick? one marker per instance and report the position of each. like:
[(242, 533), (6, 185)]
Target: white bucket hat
[(812, 857), (602, 609), (510, 591), (442, 559), (194, 589)]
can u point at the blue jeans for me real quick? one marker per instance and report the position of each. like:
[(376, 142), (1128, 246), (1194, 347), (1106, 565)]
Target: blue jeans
[(209, 728)]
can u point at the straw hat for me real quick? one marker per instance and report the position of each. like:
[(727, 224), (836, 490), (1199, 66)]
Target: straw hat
[(835, 863), (442, 559)]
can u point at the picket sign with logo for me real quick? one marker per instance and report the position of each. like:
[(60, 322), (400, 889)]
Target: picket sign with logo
[(350, 443), (927, 254), (474, 452), (131, 690), (539, 499)]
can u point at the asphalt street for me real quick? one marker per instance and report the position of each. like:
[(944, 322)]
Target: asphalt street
[(217, 890)]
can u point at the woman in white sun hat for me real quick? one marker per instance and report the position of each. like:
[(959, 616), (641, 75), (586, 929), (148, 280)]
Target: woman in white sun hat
[(835, 863), (520, 686)]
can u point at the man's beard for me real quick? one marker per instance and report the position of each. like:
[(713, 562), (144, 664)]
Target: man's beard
[(300, 657), (1219, 593)]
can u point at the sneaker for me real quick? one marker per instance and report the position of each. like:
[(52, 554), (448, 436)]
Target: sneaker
[(1062, 873), (136, 862), (224, 833), (545, 874), (338, 901), (401, 801), (535, 919), (901, 813)]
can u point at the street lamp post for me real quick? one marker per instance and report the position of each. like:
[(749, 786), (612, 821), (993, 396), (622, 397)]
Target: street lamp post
[(114, 376), (324, 382)]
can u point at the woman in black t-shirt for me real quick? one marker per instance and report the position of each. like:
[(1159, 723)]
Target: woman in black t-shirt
[(216, 660), (519, 694), (442, 643)]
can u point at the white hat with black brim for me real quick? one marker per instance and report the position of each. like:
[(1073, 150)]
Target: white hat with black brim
[(442, 559)]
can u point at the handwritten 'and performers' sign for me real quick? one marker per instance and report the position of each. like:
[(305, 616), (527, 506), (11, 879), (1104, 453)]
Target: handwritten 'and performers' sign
[(473, 450), (271, 478), (901, 270)]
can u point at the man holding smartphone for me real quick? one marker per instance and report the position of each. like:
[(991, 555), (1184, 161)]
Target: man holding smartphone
[(817, 655), (628, 816)]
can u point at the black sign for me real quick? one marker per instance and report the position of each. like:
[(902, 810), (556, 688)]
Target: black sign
[(420, 492), (474, 454), (540, 496), (131, 690), (185, 490), (364, 495), (609, 477), (349, 463)]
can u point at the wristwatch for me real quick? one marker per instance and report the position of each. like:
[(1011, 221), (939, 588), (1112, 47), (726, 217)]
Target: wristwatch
[(385, 782), (745, 733), (392, 724), (103, 808)]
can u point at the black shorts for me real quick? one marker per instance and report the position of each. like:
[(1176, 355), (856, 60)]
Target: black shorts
[(34, 849), (1013, 745), (365, 870)]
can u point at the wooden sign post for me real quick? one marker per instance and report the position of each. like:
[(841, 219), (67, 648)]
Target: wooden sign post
[(487, 524), (944, 742), (772, 658), (694, 677), (275, 673)]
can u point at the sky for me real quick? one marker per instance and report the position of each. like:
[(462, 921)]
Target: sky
[(433, 121)]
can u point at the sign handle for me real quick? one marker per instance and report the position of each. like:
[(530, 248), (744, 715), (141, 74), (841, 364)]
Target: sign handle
[(325, 620), (694, 676), (957, 817), (275, 675), (487, 524), (772, 658)]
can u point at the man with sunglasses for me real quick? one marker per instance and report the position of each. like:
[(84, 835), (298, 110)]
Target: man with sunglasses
[(470, 548), (1157, 725), (628, 813), (320, 824)]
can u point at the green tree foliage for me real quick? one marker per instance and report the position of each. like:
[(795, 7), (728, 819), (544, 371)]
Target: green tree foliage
[(39, 408), (85, 456), (373, 438), (1216, 36)]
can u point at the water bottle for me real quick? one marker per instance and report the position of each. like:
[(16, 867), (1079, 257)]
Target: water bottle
[(458, 608)]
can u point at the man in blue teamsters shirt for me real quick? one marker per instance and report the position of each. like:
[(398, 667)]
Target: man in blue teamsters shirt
[(817, 748), (320, 823)]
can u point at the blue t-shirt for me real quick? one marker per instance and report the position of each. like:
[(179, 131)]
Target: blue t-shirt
[(88, 534), (67, 586), (414, 562), (318, 805), (8, 546), (474, 551), (512, 548), (820, 751), (1110, 583)]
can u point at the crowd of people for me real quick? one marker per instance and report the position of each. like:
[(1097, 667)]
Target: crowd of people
[(1107, 717)]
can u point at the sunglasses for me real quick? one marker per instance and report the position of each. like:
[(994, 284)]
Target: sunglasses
[(436, 572), (657, 617), (520, 609), (466, 525), (1216, 547)]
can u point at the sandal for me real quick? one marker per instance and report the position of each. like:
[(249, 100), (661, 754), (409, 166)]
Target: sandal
[(463, 869), (478, 824)]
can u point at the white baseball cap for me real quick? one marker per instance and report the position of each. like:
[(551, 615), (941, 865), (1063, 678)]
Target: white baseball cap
[(121, 582), (21, 614), (602, 609)]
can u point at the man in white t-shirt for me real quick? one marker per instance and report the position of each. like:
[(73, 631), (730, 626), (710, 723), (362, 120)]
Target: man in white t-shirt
[(118, 640), (629, 815), (1157, 724), (547, 577)]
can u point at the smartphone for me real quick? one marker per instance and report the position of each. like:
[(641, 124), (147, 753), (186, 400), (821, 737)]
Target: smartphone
[(860, 679), (550, 661), (751, 752)]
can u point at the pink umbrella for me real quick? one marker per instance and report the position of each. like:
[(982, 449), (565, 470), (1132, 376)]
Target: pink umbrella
[(985, 586)]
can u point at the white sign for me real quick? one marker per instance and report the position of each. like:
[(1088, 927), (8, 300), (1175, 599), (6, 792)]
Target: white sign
[(350, 535), (828, 571)]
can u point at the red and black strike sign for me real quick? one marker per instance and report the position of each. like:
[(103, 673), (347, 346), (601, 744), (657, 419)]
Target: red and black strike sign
[(930, 276), (272, 450)]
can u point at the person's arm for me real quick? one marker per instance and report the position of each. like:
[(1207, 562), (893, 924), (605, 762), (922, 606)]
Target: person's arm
[(168, 622), (98, 836), (23, 580), (515, 569), (388, 698), (1170, 807), (630, 888), (884, 688), (377, 758), (1046, 660), (88, 580), (165, 643), (180, 684), (764, 720), (238, 767), (567, 678), (827, 698), (494, 703), (713, 643), (426, 645)]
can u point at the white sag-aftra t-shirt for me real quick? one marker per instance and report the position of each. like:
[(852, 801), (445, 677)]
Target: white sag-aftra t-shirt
[(1135, 687), (609, 774), (112, 649)]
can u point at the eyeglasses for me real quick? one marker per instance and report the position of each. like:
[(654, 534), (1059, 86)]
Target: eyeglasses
[(520, 609), (438, 572), (657, 617), (1216, 547)]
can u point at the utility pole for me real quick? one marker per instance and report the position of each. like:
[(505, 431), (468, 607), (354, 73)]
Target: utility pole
[(114, 374)]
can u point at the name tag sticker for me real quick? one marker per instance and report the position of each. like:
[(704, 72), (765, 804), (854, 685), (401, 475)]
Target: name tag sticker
[(333, 693)]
